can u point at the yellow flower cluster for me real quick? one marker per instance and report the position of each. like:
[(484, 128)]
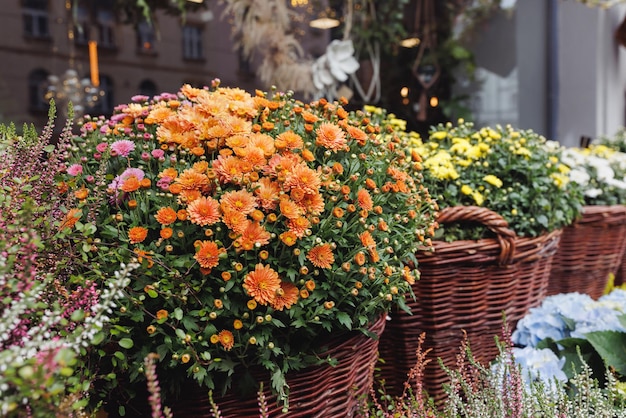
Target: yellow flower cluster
[(513, 172)]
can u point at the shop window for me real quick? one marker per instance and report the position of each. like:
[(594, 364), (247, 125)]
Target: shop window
[(37, 87)]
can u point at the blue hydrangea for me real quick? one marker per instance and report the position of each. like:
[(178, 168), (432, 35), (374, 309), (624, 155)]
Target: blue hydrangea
[(540, 365), (548, 319)]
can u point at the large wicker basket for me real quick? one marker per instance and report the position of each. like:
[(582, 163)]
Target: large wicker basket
[(314, 392), (464, 288), (591, 249)]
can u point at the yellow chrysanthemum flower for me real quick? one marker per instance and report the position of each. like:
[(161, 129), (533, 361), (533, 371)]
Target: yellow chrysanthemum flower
[(478, 198), (493, 180), (523, 151)]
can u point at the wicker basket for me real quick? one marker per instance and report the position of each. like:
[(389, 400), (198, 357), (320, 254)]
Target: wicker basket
[(591, 249), (317, 391), (464, 288)]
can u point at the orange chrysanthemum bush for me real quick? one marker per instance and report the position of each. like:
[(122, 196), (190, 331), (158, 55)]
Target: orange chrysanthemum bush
[(263, 225)]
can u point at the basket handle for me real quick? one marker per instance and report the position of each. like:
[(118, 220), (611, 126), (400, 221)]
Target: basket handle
[(490, 219)]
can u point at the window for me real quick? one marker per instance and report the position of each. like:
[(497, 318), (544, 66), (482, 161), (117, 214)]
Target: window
[(35, 18), (104, 106), (106, 27), (145, 37), (37, 88), (148, 88), (81, 29), (192, 42)]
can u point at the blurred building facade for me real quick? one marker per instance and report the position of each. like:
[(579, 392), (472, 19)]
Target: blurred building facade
[(553, 66), (39, 38)]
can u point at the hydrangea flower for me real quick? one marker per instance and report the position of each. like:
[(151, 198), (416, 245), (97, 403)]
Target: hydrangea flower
[(540, 364)]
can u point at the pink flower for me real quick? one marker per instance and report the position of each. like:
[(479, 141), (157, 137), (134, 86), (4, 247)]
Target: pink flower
[(75, 169), (123, 147), (140, 98), (102, 146), (164, 183), (157, 153)]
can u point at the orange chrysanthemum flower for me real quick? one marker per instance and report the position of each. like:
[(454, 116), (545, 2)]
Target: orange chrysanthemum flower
[(71, 217), (208, 254), (251, 158), (299, 226), (263, 142), (338, 212), (166, 216), (227, 339), (238, 200), (235, 220), (130, 184), (357, 134), (337, 168), (267, 192), (204, 211), (162, 314), (201, 167), (290, 209), (237, 141), (288, 141), (359, 258), (228, 168), (137, 234), (190, 179), (188, 196), (309, 117), (370, 184), (307, 155), (169, 172), (397, 174), (331, 136), (286, 296), (254, 235), (321, 256), (313, 202), (166, 233), (304, 178), (367, 240), (288, 238), (364, 199), (262, 284)]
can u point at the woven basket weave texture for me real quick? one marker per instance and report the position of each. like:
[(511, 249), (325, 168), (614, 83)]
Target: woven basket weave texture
[(464, 289), (591, 249)]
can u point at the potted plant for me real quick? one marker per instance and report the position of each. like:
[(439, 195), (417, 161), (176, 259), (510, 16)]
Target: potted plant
[(266, 229), (504, 198), (592, 248)]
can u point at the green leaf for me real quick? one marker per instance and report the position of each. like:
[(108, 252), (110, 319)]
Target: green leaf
[(98, 338), (126, 343), (344, 319), (611, 345), (78, 315), (178, 314)]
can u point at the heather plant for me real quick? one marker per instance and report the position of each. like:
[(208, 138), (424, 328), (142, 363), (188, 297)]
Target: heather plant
[(48, 315), (500, 389)]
